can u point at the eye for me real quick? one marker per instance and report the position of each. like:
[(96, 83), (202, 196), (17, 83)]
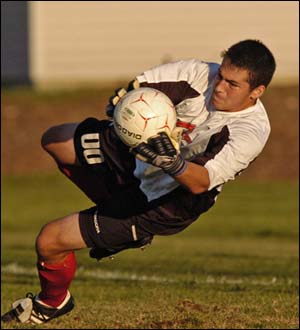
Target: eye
[(233, 85)]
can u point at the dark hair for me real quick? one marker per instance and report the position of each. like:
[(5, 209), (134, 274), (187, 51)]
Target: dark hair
[(255, 57)]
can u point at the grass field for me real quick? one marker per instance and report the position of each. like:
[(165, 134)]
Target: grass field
[(236, 267)]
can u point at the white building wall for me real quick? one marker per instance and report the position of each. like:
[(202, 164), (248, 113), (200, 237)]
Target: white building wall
[(83, 41)]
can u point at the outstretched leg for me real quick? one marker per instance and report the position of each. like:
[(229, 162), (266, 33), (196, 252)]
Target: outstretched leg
[(56, 260)]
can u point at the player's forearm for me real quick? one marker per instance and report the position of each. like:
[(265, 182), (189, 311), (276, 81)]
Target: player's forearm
[(195, 178)]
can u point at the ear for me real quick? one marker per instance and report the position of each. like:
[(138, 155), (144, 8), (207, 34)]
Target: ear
[(257, 92)]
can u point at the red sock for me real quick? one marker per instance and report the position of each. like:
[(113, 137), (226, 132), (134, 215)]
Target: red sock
[(55, 280)]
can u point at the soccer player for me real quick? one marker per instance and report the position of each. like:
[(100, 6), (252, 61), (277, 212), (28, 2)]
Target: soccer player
[(222, 127)]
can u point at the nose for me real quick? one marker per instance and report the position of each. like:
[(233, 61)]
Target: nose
[(219, 85)]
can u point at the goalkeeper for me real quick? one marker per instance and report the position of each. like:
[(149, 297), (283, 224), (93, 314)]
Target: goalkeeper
[(156, 188)]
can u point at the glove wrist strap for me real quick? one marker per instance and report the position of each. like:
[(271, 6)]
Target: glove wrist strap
[(177, 168)]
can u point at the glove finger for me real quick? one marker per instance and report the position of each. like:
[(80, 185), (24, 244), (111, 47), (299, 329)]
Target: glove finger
[(120, 92), (142, 158), (137, 155), (133, 84), (145, 150), (110, 110), (168, 145), (114, 99), (157, 144)]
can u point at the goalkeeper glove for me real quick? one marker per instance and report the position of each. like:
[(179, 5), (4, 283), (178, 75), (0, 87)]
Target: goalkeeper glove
[(120, 92), (160, 151)]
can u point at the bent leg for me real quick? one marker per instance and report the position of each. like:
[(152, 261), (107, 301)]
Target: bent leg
[(58, 141)]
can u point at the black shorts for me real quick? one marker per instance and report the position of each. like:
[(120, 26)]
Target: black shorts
[(122, 213)]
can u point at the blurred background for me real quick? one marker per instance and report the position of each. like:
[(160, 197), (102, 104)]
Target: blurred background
[(79, 42), (61, 60)]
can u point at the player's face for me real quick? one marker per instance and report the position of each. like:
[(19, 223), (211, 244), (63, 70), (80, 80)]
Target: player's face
[(232, 90)]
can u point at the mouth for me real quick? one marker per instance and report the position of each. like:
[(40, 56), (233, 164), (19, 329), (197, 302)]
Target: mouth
[(216, 98)]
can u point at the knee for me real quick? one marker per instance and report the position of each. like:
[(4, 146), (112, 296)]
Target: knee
[(58, 142), (44, 139), (44, 243), (57, 134), (47, 138)]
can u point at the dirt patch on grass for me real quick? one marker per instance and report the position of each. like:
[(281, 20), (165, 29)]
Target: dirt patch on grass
[(25, 115)]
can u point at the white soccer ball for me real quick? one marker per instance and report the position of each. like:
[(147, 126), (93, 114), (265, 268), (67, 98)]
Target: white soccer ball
[(143, 113)]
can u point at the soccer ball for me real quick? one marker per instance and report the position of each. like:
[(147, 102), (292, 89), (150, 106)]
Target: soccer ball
[(143, 113)]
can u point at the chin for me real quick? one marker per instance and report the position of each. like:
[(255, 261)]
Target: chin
[(218, 105)]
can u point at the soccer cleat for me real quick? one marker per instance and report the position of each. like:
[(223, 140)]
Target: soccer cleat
[(30, 310)]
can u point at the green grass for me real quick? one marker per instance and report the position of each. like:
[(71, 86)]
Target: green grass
[(236, 267)]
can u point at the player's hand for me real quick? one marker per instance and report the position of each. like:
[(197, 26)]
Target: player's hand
[(120, 92), (161, 152)]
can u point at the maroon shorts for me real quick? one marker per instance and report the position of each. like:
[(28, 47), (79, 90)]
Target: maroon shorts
[(122, 213)]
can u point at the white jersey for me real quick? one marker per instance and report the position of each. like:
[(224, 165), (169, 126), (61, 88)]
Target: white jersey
[(225, 143)]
